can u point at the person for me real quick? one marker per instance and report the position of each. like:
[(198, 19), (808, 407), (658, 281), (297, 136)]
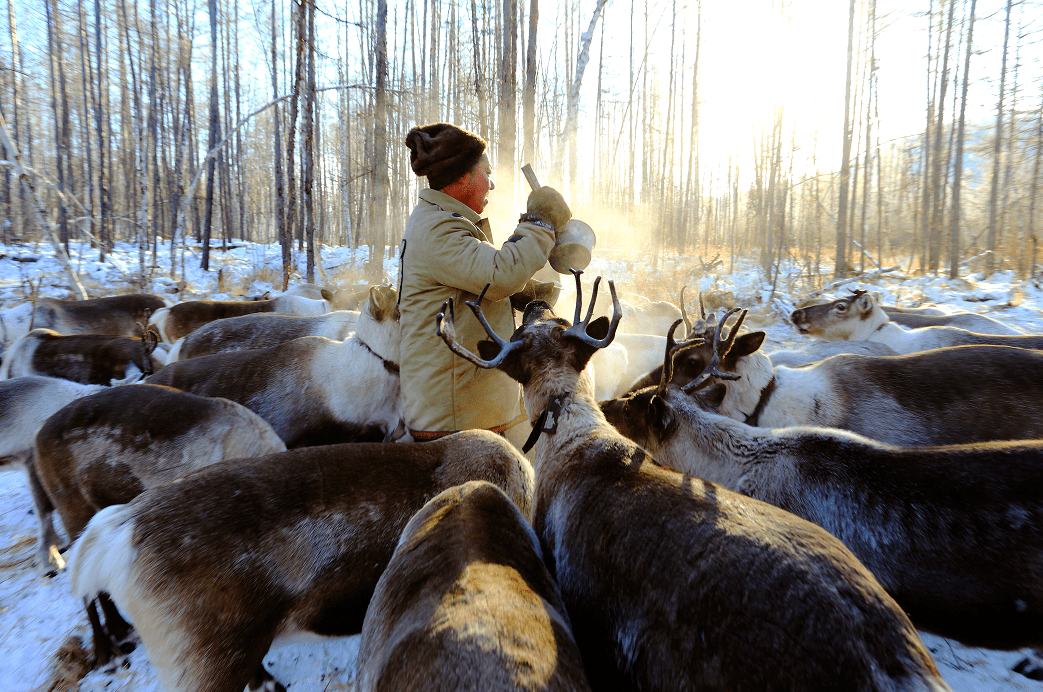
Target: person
[(447, 252)]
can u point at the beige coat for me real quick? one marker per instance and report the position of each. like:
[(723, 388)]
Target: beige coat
[(447, 252)]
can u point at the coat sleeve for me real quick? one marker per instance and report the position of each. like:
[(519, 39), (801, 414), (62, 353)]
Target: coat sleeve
[(463, 261)]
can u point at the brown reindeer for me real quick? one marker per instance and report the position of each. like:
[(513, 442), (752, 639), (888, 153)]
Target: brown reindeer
[(215, 569), (674, 583), (83, 358), (184, 318), (107, 447), (466, 603), (114, 315)]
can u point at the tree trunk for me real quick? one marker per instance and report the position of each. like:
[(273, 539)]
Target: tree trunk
[(1037, 160), (990, 258), (17, 220), (103, 141), (380, 161), (572, 106), (954, 243), (213, 139), (308, 151), (61, 119), (87, 82), (937, 205), (508, 90), (280, 194), (840, 261), (529, 95)]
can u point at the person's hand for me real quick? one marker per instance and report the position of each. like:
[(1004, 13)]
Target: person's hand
[(549, 202)]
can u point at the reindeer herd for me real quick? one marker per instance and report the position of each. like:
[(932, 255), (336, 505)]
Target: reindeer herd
[(688, 513)]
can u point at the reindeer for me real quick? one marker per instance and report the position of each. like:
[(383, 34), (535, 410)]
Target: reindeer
[(915, 318), (948, 531), (860, 318), (649, 366), (930, 398), (107, 447), (240, 556), (173, 323), (672, 582), (25, 404), (113, 315), (312, 390), (261, 331), (83, 358), (466, 603)]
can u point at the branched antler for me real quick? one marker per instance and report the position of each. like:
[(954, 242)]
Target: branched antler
[(445, 327), (702, 315), (720, 350), (579, 329), (672, 349)]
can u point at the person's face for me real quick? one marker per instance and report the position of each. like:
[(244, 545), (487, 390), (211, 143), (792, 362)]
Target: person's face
[(477, 185)]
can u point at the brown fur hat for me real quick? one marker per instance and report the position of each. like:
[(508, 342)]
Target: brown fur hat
[(443, 152)]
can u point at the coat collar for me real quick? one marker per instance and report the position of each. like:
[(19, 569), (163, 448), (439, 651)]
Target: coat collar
[(454, 206)]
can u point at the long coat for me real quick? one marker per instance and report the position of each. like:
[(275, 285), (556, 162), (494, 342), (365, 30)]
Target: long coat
[(447, 251)]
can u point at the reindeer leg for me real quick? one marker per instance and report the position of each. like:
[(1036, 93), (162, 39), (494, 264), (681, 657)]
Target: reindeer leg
[(1031, 666), (262, 681), (106, 650), (117, 627), (47, 562)]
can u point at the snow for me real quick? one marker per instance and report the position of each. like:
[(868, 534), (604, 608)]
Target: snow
[(37, 613)]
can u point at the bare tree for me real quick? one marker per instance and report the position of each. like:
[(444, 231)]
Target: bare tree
[(572, 112), (380, 166), (215, 136), (954, 247), (840, 262), (529, 94), (990, 259)]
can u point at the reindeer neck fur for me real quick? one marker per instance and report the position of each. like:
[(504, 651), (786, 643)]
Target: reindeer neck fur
[(383, 337), (744, 394), (579, 414), (711, 446)]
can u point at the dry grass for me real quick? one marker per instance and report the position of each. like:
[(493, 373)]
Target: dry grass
[(71, 663)]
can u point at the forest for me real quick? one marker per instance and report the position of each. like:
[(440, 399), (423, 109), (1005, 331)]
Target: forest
[(671, 126)]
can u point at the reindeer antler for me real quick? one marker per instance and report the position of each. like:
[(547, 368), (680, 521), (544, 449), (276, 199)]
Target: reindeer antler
[(684, 313), (445, 327), (579, 329), (720, 350), (672, 349)]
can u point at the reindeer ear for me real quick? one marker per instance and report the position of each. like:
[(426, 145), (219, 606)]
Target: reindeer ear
[(326, 294), (864, 303), (746, 344), (711, 398), (598, 329), (660, 415), (150, 341)]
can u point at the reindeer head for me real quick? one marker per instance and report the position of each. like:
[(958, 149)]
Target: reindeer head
[(837, 319), (646, 416), (383, 303), (544, 344)]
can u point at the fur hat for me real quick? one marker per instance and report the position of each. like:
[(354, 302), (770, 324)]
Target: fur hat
[(443, 152)]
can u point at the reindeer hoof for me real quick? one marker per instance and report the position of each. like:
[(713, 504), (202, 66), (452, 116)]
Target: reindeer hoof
[(1031, 667), (262, 681)]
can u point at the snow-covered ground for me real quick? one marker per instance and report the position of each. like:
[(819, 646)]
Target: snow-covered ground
[(38, 614)]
